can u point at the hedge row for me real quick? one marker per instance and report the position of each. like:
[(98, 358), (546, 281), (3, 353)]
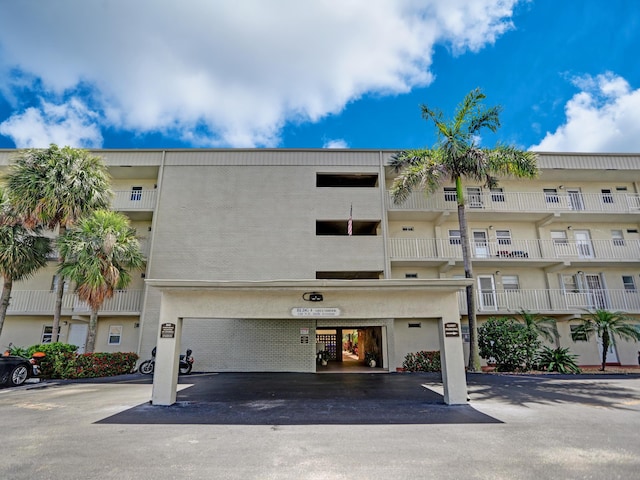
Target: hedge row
[(422, 362)]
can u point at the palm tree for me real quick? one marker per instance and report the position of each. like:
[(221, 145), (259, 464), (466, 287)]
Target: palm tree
[(540, 325), (98, 255), (22, 252), (455, 157), (53, 188), (607, 326)]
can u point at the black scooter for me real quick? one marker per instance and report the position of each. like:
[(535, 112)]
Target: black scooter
[(186, 363)]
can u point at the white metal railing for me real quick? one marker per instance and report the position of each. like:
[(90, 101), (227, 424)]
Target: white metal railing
[(43, 302), (523, 202), (433, 248), (552, 300), (134, 200)]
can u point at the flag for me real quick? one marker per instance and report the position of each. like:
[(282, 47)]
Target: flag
[(350, 222)]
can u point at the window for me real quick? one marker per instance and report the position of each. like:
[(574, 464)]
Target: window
[(349, 275), (629, 283), (450, 194), (345, 180), (54, 284), (465, 333), (497, 194), (578, 338), (136, 194), (115, 334), (406, 228), (551, 195), (503, 237), (607, 196), (569, 284), (621, 189), (618, 238), (341, 227), (410, 275), (47, 333), (559, 237), (511, 282), (454, 237)]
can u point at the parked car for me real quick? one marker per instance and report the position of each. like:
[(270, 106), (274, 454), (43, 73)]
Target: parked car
[(14, 370)]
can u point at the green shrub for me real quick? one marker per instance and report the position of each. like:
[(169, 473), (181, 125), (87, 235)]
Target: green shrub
[(557, 360), (92, 365), (509, 343), (422, 362), (53, 353)]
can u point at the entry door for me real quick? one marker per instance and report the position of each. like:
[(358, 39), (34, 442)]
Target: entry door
[(583, 243), (78, 335), (596, 291), (612, 354), (575, 199), (487, 289), (480, 243), (474, 197)]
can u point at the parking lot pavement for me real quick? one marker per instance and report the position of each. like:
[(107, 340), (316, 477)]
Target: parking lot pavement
[(276, 426)]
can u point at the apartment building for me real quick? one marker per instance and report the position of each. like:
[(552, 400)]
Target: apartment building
[(258, 256)]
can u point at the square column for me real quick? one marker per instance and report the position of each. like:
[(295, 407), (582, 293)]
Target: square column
[(454, 377), (165, 377)]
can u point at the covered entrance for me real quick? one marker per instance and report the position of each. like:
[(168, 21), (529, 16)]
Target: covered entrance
[(351, 350), (291, 321)]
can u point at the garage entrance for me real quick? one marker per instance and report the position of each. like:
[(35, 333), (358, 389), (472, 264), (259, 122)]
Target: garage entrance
[(281, 323)]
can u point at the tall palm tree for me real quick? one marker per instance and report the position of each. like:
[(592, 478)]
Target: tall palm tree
[(22, 252), (456, 156), (53, 188), (540, 325), (607, 326), (98, 255)]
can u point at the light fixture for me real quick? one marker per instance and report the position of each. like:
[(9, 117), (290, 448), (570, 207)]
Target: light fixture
[(580, 272), (312, 297), (497, 272), (569, 227), (490, 227), (561, 187)]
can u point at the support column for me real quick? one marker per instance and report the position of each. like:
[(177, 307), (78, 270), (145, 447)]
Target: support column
[(165, 377), (454, 378)]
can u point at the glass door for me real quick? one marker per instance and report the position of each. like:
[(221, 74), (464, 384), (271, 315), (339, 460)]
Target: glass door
[(487, 290), (480, 243)]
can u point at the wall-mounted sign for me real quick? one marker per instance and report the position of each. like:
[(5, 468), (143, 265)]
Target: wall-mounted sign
[(315, 312), (451, 329), (304, 331), (168, 330)]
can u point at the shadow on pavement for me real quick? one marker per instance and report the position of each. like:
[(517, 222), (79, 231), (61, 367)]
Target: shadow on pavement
[(602, 390), (304, 399)]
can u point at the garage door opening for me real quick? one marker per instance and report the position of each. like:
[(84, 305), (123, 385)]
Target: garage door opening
[(349, 350)]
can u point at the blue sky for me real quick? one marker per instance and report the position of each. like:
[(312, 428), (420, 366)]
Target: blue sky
[(319, 73)]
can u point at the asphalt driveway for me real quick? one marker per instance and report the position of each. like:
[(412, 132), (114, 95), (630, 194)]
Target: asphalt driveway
[(304, 426)]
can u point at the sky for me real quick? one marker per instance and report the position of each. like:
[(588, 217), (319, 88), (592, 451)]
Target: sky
[(316, 73)]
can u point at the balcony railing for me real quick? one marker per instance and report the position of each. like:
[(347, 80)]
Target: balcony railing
[(552, 301), (134, 200), (524, 202), (42, 302), (438, 248)]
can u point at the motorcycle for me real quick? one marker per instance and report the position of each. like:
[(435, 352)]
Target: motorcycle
[(186, 363)]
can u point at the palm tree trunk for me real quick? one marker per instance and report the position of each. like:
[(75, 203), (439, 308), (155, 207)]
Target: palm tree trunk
[(91, 334), (605, 348), (474, 355), (57, 312), (4, 300)]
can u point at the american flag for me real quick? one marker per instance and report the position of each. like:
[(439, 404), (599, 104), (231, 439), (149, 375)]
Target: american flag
[(350, 222)]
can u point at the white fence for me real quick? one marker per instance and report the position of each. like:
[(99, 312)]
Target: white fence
[(40, 302)]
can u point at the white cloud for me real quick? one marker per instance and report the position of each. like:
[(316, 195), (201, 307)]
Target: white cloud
[(336, 143), (67, 124), (603, 117), (219, 73)]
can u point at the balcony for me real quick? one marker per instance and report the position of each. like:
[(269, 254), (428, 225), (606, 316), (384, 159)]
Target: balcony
[(552, 301), (42, 302), (134, 200), (537, 205), (593, 252)]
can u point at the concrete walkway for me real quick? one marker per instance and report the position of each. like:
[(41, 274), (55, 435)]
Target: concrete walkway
[(304, 426)]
